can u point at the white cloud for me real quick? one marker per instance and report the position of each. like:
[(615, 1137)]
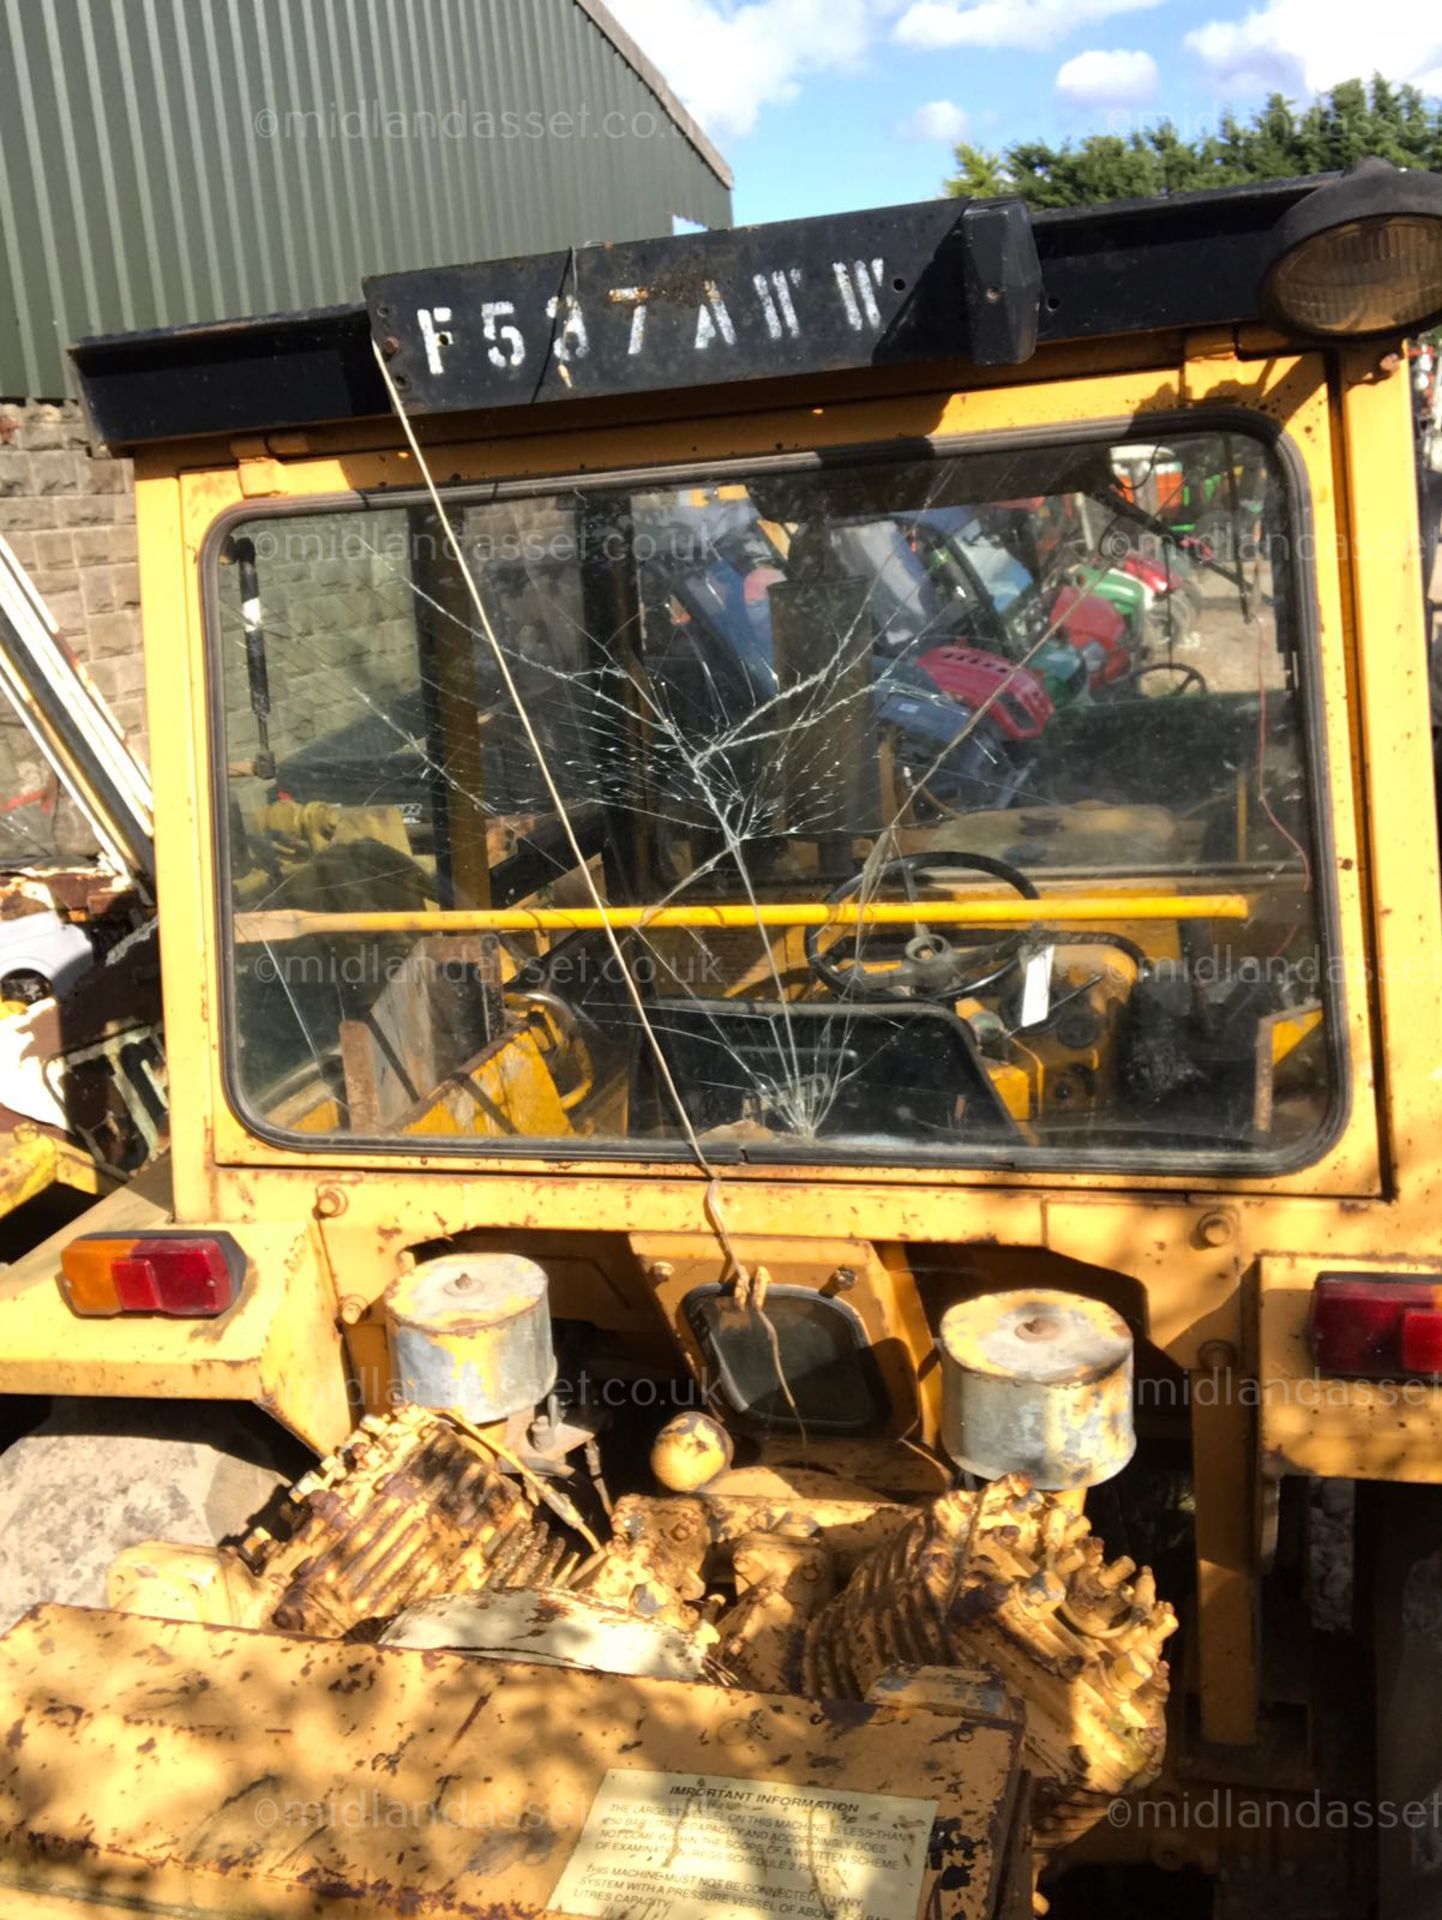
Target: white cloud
[(937, 120), (727, 62), (1116, 79), (1035, 25), (1301, 47)]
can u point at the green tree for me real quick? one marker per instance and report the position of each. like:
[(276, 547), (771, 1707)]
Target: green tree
[(1278, 142)]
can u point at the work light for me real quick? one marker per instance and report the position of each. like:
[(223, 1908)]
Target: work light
[(1361, 255)]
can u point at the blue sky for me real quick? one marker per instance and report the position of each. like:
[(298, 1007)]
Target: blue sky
[(822, 105)]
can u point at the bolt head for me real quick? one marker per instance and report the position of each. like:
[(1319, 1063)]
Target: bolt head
[(1216, 1229), (1217, 1356)]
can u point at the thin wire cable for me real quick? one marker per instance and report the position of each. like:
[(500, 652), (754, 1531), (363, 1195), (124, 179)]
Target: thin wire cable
[(712, 1206)]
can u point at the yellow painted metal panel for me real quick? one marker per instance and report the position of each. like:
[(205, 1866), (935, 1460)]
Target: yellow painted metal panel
[(279, 1347), (156, 1767), (1395, 740), (1090, 909), (1317, 1424), (1286, 392)]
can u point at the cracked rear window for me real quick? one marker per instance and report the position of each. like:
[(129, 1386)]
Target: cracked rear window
[(953, 806)]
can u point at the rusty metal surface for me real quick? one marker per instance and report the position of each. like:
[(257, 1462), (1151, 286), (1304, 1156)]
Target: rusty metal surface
[(33, 1159), (408, 1508), (81, 892), (1310, 1423), (548, 1626), (472, 1331), (279, 1347), (1014, 1579), (781, 1584), (151, 1767), (1037, 1382), (690, 1451), (655, 1562), (82, 1075)]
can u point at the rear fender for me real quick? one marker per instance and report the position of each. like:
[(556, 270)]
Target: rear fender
[(279, 1347)]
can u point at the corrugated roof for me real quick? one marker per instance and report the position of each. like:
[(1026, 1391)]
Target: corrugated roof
[(170, 161)]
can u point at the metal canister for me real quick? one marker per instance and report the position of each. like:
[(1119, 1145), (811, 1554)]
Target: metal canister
[(1040, 1383), (471, 1333)]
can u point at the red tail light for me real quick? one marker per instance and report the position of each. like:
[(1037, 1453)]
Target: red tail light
[(1377, 1329), (182, 1274)]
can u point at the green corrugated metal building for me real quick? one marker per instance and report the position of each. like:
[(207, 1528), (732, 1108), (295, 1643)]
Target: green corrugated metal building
[(166, 161)]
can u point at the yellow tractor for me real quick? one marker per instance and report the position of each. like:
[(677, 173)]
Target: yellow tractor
[(799, 1271)]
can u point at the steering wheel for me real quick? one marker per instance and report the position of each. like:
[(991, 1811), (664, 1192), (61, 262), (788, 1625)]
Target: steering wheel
[(1188, 679), (933, 964)]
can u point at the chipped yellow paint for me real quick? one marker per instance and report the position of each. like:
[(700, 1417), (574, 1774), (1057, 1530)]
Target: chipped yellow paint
[(32, 1161), (1290, 392), (278, 1347), (153, 1767)]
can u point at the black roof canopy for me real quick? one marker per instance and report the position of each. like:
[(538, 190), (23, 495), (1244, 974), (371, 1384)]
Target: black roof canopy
[(984, 281)]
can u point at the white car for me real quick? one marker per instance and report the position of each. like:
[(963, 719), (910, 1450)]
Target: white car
[(41, 954)]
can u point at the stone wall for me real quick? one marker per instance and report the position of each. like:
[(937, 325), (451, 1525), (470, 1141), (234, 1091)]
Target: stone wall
[(69, 514), (339, 620), (338, 610), (340, 615)]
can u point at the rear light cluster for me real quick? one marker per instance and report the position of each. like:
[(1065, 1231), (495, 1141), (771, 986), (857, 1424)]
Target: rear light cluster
[(188, 1275), (1377, 1329)]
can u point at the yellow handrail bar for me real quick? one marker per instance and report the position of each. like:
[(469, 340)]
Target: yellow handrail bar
[(290, 923)]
